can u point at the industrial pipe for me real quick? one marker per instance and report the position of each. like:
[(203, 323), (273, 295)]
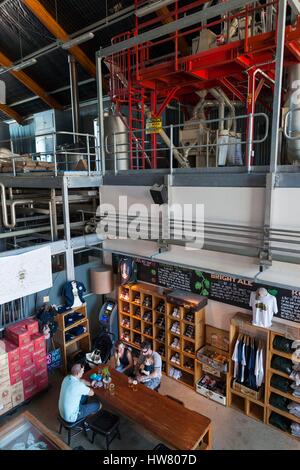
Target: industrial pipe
[(12, 208)]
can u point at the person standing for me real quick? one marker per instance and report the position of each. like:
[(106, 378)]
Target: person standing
[(74, 394), (154, 378)]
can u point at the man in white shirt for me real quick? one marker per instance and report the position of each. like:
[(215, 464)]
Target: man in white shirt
[(264, 306), (74, 394)]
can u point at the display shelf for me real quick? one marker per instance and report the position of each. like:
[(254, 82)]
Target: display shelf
[(81, 342), (285, 414), (154, 300), (278, 372), (246, 397), (256, 411), (190, 375), (284, 394), (281, 353)]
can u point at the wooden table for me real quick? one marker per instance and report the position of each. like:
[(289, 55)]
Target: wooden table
[(175, 425)]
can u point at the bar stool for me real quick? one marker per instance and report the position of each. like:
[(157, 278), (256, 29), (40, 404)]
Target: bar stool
[(69, 427), (106, 424)]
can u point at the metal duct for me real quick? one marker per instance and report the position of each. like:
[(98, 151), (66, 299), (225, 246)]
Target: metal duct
[(293, 124)]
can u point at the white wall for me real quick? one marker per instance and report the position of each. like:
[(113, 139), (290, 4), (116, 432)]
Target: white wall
[(225, 205), (286, 208)]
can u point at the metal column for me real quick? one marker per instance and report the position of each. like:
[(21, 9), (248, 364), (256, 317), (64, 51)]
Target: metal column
[(70, 269), (271, 177), (100, 112), (74, 96)]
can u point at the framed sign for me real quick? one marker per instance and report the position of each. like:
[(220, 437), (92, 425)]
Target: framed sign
[(54, 359), (153, 125)]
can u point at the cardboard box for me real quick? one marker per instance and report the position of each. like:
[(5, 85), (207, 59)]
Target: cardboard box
[(38, 355), (3, 359), (212, 395), (207, 355), (31, 325), (30, 391), (29, 381), (4, 374), (15, 377), (217, 338), (39, 342), (27, 349), (14, 367), (26, 361), (42, 384), (41, 374), (17, 394), (5, 408), (5, 393), (41, 364), (18, 335), (9, 348), (17, 387), (28, 371)]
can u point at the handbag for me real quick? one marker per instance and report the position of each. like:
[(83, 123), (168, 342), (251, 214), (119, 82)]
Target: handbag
[(94, 357)]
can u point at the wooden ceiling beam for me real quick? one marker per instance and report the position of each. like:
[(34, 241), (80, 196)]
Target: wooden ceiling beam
[(58, 32), (11, 113), (29, 83)]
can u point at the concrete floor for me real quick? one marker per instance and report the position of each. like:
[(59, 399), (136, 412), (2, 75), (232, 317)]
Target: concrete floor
[(231, 429)]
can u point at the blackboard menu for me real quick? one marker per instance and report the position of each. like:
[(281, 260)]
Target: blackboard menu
[(227, 289)]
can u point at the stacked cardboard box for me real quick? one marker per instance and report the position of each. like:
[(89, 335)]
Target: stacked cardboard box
[(23, 364)]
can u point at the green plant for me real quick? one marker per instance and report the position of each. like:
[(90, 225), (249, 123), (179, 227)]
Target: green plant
[(105, 373)]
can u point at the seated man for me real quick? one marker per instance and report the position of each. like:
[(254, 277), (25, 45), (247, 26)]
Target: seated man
[(123, 358), (151, 380), (74, 394)]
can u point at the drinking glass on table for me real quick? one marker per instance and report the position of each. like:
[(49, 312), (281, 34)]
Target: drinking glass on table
[(111, 389)]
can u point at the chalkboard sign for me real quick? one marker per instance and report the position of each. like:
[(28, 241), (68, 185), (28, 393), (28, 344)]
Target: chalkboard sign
[(227, 289)]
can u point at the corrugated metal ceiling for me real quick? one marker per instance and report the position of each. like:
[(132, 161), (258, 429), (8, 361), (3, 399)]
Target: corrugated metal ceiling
[(22, 34)]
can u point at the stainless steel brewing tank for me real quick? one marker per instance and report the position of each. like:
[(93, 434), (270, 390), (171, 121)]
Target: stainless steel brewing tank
[(293, 124), (116, 124)]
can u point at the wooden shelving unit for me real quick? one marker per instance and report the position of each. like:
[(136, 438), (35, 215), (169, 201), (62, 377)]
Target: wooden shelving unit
[(138, 316), (81, 342), (252, 407), (292, 334), (187, 364), (262, 409), (136, 303)]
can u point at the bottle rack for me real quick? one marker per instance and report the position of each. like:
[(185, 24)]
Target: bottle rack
[(138, 317), (185, 335), (142, 300)]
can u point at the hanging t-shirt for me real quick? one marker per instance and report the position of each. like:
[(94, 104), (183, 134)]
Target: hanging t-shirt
[(263, 309)]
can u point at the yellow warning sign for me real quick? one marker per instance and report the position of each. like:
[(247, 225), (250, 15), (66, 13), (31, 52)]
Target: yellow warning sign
[(153, 125)]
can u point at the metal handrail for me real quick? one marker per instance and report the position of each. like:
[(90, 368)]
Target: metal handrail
[(285, 133)]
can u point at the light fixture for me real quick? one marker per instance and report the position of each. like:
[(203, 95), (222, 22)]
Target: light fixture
[(23, 65), (74, 42), (151, 7), (101, 280)]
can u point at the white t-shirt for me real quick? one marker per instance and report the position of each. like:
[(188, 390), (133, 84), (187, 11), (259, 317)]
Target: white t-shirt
[(263, 309), (71, 392)]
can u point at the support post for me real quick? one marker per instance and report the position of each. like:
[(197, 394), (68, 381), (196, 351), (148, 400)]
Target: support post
[(70, 270), (271, 177), (100, 114), (74, 97)]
